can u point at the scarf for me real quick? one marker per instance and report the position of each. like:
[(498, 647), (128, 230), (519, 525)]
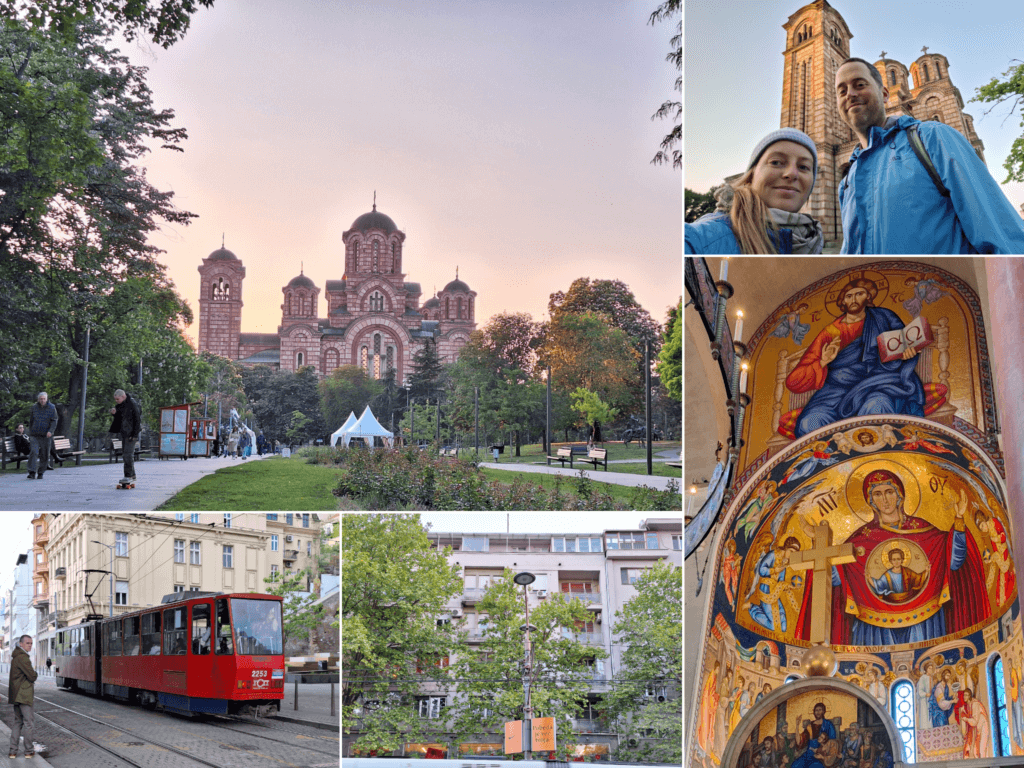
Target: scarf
[(807, 236)]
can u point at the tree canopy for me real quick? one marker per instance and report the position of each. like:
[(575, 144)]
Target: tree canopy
[(670, 362), (671, 109), (1011, 87)]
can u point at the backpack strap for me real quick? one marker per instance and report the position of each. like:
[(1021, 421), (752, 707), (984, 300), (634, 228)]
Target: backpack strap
[(922, 154)]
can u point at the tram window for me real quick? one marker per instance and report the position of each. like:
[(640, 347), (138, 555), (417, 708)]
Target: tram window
[(74, 642), (225, 645), (131, 636), (201, 629), (174, 632), (87, 641), (151, 634), (115, 644)]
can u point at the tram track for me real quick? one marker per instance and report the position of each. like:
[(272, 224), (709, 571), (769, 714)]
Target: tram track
[(226, 727), (141, 740)]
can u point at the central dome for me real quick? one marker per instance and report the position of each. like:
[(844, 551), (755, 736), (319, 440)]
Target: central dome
[(374, 220)]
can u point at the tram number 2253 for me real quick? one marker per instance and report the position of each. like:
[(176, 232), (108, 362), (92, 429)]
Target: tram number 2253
[(260, 679)]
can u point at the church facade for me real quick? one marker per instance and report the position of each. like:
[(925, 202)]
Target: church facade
[(817, 42), (852, 597), (373, 316)]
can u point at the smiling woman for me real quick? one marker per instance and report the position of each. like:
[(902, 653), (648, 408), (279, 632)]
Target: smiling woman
[(764, 214)]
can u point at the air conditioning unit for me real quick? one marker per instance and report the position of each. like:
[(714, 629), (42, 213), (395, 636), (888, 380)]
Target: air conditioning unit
[(598, 618), (662, 698), (542, 593), (456, 613), (288, 538)]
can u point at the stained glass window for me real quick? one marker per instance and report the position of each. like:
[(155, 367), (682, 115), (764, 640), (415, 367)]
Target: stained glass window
[(1001, 729), (903, 711)]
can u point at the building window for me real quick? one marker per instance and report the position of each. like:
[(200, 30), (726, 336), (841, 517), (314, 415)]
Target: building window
[(677, 541), (305, 519), (194, 517), (475, 544), (39, 558), (179, 550), (121, 593), (364, 358), (391, 358), (630, 575), (227, 519), (627, 540), (652, 541), (299, 360), (903, 710), (272, 516), (273, 572), (376, 301), (1000, 723), (39, 587), (892, 77), (309, 548), (229, 556), (289, 519), (273, 543), (121, 544), (180, 517), (431, 706), (194, 558), (179, 588), (926, 78), (447, 308)]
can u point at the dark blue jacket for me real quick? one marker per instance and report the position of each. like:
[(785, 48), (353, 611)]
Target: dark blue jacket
[(42, 419)]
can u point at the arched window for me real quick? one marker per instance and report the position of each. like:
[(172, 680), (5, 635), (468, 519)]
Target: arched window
[(470, 307), (459, 308), (938, 70), (376, 356), (394, 256), (330, 360), (447, 308), (892, 77), (364, 358), (903, 712), (391, 358), (1000, 723), (299, 360), (376, 302), (926, 78)]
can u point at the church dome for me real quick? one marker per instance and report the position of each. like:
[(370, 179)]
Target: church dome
[(432, 302), (301, 280), (222, 254), (457, 285), (374, 220)]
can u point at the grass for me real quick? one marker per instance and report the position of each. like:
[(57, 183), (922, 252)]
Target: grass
[(269, 485), (534, 454), (621, 493)]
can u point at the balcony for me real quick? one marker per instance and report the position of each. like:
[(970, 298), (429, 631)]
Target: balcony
[(588, 638), (41, 538), (60, 573), (585, 725), (43, 568), (588, 599), (472, 595), (57, 619), (290, 555)]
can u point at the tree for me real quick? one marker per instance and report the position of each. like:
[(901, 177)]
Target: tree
[(274, 396), (650, 629), (594, 410), (164, 22), (613, 299), (223, 386), (670, 360), (698, 204), (427, 373), (348, 389), (303, 612), (394, 590), (672, 109), (492, 675), (999, 91)]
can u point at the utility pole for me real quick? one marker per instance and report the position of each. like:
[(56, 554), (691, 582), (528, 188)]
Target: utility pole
[(111, 548), (524, 579)]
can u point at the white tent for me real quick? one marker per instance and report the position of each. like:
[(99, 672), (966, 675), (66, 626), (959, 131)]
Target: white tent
[(368, 427), (349, 423)]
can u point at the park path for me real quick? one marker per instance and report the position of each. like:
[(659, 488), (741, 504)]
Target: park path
[(92, 487), (599, 476)]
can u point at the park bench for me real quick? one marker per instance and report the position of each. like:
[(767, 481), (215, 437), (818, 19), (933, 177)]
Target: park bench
[(10, 453), (117, 451), (450, 450), (597, 457), (62, 449), (568, 454)]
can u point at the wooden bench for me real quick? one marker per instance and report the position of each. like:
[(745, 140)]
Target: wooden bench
[(568, 454), (450, 450), (117, 450), (598, 457), (10, 453), (62, 449)]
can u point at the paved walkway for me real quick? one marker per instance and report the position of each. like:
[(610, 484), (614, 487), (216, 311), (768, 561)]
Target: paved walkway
[(600, 476), (310, 704), (93, 487)]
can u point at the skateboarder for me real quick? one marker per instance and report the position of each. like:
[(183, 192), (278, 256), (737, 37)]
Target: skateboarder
[(131, 425)]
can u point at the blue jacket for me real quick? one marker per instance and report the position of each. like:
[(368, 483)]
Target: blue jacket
[(42, 419), (712, 234), (891, 205)]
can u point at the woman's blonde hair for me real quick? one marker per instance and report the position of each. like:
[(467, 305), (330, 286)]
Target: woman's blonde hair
[(750, 218)]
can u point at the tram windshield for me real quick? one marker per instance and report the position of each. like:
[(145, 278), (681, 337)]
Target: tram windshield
[(257, 627)]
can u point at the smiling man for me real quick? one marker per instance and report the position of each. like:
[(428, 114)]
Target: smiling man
[(890, 201)]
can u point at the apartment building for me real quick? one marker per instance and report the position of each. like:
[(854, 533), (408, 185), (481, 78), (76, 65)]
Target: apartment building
[(154, 555), (598, 569)]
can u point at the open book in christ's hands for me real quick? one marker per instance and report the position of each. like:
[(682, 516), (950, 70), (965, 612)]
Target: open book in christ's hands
[(892, 344)]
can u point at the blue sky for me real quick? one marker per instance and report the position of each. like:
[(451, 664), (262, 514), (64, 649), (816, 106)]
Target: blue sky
[(733, 70)]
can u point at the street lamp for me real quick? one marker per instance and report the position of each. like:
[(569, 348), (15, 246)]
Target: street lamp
[(525, 578), (111, 548)]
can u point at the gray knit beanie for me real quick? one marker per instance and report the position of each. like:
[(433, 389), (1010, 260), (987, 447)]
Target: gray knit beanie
[(786, 134)]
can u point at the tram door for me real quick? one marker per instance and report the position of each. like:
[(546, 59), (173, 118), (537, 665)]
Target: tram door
[(201, 664)]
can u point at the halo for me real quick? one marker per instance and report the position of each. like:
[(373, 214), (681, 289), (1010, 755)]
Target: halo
[(855, 487), (855, 274), (901, 546)]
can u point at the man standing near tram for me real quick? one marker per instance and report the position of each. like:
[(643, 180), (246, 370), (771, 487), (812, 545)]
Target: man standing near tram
[(21, 689)]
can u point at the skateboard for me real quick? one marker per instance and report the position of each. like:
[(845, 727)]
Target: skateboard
[(125, 483)]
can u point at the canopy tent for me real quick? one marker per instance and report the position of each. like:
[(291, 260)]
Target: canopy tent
[(349, 423), (368, 427)]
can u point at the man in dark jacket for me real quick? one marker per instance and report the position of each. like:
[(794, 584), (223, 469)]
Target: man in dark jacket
[(127, 413), (21, 443), (41, 424), (21, 689)]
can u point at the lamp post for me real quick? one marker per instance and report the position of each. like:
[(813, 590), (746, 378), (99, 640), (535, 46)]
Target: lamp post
[(111, 548), (525, 578)]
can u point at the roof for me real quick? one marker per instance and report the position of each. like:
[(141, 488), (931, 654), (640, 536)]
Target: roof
[(266, 356), (222, 254), (259, 338), (337, 285), (374, 220), (432, 302), (301, 280), (457, 285)]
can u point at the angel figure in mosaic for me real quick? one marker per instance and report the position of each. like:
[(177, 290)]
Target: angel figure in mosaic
[(818, 455), (919, 438), (926, 290), (983, 473), (998, 561), (790, 324), (764, 499), (731, 564)]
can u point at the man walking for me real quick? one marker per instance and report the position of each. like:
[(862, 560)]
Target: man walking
[(42, 422), (21, 689), (128, 416), (915, 187)]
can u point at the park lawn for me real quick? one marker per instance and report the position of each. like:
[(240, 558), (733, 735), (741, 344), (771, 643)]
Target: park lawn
[(269, 485), (640, 468), (621, 493), (534, 453)]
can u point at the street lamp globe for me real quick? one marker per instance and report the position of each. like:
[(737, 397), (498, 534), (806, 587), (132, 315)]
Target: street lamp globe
[(524, 578)]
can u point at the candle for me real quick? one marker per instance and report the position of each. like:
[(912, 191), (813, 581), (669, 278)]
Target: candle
[(739, 326), (743, 378), (693, 494), (724, 273)]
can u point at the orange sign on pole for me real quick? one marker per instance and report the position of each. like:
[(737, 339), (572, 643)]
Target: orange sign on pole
[(513, 736), (542, 730)]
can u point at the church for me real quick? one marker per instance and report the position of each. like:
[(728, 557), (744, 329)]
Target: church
[(374, 318), (817, 41), (853, 438)]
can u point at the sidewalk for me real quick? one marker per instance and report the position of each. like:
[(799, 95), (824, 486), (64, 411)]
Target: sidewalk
[(92, 488), (314, 705), (5, 740), (600, 476)]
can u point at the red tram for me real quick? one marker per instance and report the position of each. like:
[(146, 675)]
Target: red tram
[(211, 653)]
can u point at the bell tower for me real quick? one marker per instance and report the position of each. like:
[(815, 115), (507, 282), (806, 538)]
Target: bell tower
[(817, 42), (220, 303)]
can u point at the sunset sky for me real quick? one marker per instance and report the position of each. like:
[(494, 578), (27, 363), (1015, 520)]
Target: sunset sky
[(509, 139)]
